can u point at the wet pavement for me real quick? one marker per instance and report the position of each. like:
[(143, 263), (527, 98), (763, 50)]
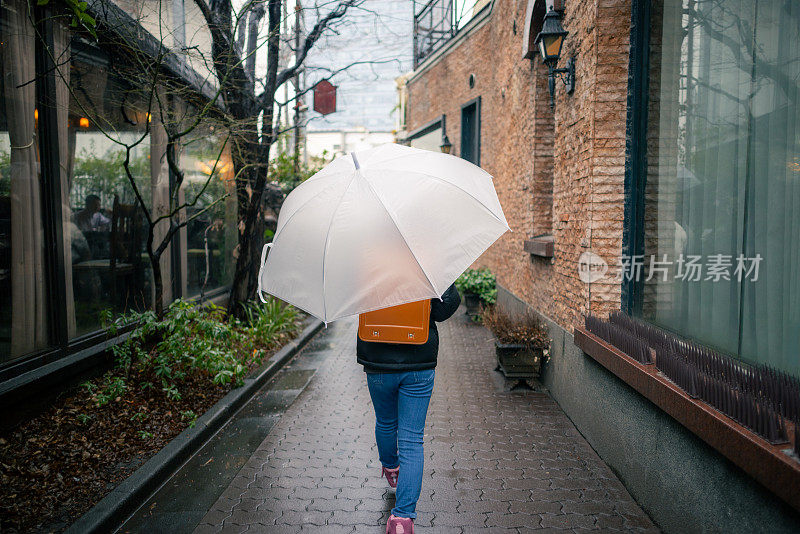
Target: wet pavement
[(179, 505), (496, 460)]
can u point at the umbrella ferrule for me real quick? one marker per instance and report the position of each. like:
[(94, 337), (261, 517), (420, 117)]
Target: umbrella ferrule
[(355, 160)]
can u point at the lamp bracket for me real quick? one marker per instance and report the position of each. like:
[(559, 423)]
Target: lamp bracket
[(567, 76)]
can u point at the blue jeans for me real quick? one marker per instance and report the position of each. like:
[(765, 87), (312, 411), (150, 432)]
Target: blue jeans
[(401, 405)]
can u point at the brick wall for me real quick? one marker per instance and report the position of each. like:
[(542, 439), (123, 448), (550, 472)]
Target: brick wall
[(555, 172)]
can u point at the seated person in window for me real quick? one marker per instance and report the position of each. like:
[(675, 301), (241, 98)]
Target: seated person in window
[(91, 217)]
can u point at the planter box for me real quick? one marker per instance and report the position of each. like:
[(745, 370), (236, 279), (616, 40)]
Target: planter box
[(517, 361), (473, 303)]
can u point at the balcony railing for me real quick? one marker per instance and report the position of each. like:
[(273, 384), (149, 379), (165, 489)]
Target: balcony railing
[(437, 21)]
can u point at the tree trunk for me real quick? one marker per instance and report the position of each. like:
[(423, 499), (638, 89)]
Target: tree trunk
[(251, 239), (158, 286), (251, 160), (252, 179)]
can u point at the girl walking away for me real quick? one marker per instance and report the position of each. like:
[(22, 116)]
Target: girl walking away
[(400, 380)]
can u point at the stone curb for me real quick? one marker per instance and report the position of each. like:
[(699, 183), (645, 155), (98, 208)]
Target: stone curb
[(109, 513)]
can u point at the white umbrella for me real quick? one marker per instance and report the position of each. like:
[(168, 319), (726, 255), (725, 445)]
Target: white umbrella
[(378, 228)]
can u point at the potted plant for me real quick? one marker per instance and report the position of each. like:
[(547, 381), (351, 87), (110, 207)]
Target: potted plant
[(521, 342), (478, 287)]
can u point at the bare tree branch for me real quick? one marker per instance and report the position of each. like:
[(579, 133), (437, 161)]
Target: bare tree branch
[(316, 32)]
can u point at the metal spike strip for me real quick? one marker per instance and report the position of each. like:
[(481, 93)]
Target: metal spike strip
[(620, 337), (759, 397)]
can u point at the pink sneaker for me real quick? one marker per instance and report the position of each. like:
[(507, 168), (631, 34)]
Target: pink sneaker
[(400, 525), (391, 475)]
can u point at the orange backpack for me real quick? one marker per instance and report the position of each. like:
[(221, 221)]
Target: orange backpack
[(406, 323)]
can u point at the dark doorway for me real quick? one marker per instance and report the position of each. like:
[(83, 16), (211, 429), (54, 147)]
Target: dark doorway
[(471, 131)]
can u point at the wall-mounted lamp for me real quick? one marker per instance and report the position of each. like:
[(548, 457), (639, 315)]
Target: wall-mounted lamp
[(549, 42), (446, 145)]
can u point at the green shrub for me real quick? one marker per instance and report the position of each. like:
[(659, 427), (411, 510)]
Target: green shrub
[(83, 418), (190, 416), (289, 173), (190, 340), (139, 417), (479, 281), (270, 322)]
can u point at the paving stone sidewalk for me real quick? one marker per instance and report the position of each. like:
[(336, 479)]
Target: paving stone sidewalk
[(496, 461)]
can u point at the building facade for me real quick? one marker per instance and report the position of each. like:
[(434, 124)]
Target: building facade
[(72, 236), (363, 59), (665, 185)]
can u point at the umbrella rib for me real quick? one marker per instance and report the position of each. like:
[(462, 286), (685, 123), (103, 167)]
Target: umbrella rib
[(399, 231), (465, 192), (427, 153), (398, 156), (325, 250), (303, 205)]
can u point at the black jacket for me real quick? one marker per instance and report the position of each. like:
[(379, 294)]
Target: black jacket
[(397, 357)]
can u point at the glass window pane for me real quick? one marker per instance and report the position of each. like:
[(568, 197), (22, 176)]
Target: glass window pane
[(771, 305), (211, 233), (105, 118), (721, 186), (23, 299), (695, 190)]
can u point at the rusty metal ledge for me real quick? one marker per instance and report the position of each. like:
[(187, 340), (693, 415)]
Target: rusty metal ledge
[(768, 464)]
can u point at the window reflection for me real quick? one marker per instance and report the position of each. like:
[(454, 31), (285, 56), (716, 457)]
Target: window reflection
[(723, 179), (110, 136), (107, 122), (211, 232)]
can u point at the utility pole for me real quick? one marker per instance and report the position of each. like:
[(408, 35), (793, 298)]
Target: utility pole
[(298, 101)]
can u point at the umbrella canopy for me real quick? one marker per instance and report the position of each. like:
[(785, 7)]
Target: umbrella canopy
[(378, 228)]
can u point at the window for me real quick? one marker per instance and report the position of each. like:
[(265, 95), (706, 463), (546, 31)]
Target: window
[(723, 175), (101, 115), (428, 136), (23, 292), (211, 233), (73, 234), (471, 131), (534, 19)]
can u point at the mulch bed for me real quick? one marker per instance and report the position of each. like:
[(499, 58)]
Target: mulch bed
[(56, 466)]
